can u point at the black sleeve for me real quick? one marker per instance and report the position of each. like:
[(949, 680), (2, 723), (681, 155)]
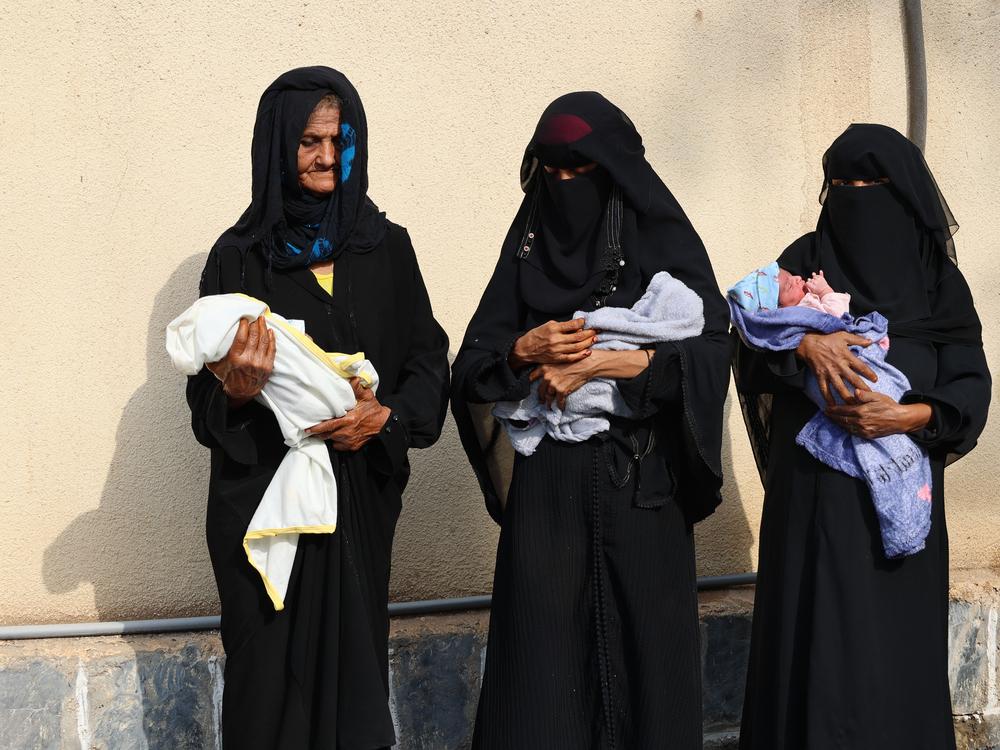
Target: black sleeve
[(420, 399), (214, 424), (656, 387), (492, 379), (960, 399), (482, 373), (766, 372)]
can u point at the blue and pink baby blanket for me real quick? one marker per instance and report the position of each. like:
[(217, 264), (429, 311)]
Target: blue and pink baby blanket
[(894, 467)]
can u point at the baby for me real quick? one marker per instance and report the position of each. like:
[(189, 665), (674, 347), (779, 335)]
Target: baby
[(771, 287), (815, 293), (772, 311)]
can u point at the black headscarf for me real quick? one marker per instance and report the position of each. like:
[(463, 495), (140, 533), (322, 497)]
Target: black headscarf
[(292, 227), (596, 240), (580, 238), (888, 245)]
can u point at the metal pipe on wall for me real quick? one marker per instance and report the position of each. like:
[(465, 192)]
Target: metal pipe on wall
[(916, 72), (178, 624)]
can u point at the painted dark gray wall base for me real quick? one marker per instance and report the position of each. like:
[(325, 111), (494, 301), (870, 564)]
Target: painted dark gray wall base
[(164, 692)]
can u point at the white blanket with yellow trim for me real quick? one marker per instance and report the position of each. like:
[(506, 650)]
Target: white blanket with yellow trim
[(307, 386)]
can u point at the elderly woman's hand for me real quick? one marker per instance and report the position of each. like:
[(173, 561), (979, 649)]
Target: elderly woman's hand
[(553, 343), (245, 369), (351, 431), (830, 358), (876, 415), (556, 382)]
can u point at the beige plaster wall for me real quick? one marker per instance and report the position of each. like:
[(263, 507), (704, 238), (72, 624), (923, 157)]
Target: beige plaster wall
[(125, 132)]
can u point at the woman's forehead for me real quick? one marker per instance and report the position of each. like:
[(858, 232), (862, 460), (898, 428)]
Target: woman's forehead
[(324, 117)]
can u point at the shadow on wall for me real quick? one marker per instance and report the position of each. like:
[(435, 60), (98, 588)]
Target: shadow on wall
[(445, 541), (143, 548), (725, 539)]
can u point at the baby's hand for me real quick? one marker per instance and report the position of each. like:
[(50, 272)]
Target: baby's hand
[(818, 285)]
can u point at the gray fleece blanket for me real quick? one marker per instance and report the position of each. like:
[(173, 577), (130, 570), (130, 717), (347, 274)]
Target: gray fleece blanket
[(668, 311)]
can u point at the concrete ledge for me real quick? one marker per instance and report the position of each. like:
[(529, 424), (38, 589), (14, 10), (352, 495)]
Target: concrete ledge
[(164, 691)]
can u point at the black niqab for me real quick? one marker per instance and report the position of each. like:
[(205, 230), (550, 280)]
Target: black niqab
[(564, 262), (591, 528), (561, 276), (888, 245), (293, 227), (876, 237)]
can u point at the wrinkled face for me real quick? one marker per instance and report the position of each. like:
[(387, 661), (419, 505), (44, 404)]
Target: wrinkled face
[(791, 289), (568, 174), (318, 154)]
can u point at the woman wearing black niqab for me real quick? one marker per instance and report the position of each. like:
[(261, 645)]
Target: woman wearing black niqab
[(594, 632), (317, 250), (849, 649)]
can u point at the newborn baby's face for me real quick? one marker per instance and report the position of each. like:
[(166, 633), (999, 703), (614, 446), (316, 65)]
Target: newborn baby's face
[(791, 289)]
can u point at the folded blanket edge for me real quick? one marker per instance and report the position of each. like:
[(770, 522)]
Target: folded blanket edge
[(277, 598)]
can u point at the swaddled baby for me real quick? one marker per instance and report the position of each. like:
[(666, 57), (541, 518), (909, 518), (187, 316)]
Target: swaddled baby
[(815, 293), (771, 287), (306, 386), (773, 310)]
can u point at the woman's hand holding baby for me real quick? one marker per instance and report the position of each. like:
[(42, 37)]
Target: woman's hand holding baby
[(553, 343), (556, 382), (351, 431), (245, 369), (875, 415), (830, 358)]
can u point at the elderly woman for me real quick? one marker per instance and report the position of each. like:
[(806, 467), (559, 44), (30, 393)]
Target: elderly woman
[(594, 632), (850, 648), (317, 250)]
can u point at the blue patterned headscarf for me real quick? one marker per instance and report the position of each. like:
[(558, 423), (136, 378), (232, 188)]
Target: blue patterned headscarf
[(758, 290), (304, 213), (295, 228)]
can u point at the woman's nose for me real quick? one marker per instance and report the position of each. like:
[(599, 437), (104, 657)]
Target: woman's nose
[(327, 154)]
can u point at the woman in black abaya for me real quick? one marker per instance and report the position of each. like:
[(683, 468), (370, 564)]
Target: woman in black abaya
[(849, 649), (594, 632), (317, 250)]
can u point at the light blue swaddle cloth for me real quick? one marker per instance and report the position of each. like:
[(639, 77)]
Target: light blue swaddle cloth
[(896, 469), (758, 290), (668, 311)]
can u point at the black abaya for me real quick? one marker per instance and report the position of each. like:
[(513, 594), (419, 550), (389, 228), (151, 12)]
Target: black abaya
[(849, 649), (594, 629), (315, 675)]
